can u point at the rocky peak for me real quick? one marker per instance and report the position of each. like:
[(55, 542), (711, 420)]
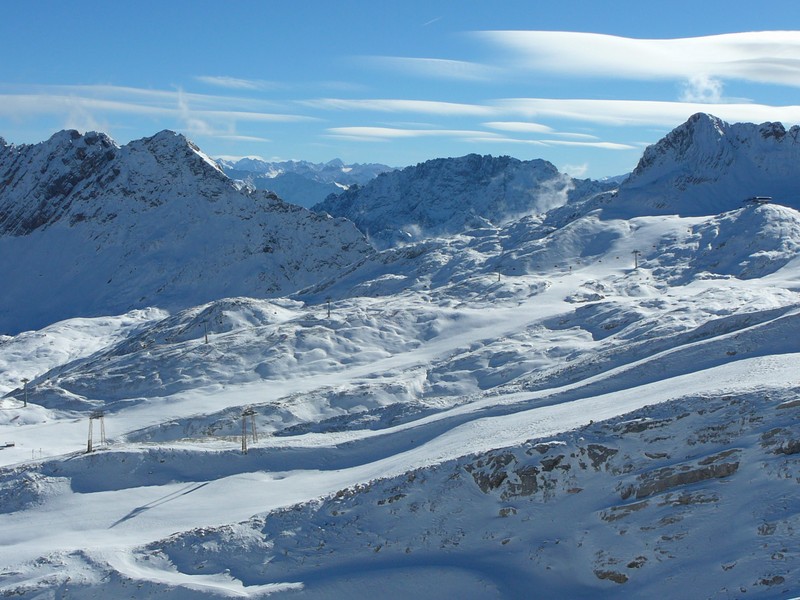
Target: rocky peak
[(707, 166), (40, 181), (153, 222), (701, 134), (449, 195)]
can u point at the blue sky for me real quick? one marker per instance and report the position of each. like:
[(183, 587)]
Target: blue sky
[(584, 84)]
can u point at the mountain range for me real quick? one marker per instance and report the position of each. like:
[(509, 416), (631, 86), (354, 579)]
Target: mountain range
[(300, 182), (502, 382)]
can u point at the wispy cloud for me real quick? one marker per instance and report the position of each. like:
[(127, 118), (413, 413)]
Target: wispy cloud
[(600, 145), (243, 138), (641, 112), (88, 107), (764, 57), (435, 68), (234, 83), (428, 107), (520, 127), (382, 134), (144, 98), (550, 142), (391, 133), (536, 128)]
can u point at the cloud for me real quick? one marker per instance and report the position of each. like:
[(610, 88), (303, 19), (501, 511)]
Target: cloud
[(392, 133), (130, 98), (537, 128), (429, 107), (518, 127), (235, 83), (22, 105), (242, 138), (577, 171), (88, 107), (601, 145), (549, 142), (436, 68), (81, 119), (192, 123), (641, 112), (702, 88), (256, 116), (764, 57), (383, 134)]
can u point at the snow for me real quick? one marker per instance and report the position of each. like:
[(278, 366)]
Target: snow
[(509, 408)]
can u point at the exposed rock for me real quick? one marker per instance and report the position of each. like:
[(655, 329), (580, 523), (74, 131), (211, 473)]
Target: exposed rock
[(789, 447), (599, 454), (661, 480), (615, 513), (614, 576)]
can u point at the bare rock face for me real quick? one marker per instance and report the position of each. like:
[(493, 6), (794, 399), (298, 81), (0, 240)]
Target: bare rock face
[(662, 480)]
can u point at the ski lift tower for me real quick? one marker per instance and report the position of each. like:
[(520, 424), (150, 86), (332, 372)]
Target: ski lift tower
[(636, 254), (25, 381), (97, 415), (249, 412)]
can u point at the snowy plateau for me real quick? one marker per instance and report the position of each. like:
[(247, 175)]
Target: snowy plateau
[(472, 378)]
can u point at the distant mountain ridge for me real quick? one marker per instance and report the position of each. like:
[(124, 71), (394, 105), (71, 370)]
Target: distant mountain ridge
[(97, 228), (301, 182)]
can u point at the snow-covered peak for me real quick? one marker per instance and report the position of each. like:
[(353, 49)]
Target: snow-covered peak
[(450, 195), (336, 163), (154, 222), (707, 166)]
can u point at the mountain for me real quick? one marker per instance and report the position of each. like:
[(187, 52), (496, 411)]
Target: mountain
[(446, 196), (567, 405), (707, 166), (301, 182), (95, 228)]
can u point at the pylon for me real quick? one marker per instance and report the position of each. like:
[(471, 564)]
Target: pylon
[(99, 416)]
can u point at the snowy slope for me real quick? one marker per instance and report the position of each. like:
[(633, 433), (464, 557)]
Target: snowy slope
[(446, 196), (585, 431), (524, 409), (95, 229)]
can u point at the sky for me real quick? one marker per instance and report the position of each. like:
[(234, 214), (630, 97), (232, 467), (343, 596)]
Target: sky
[(584, 84)]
